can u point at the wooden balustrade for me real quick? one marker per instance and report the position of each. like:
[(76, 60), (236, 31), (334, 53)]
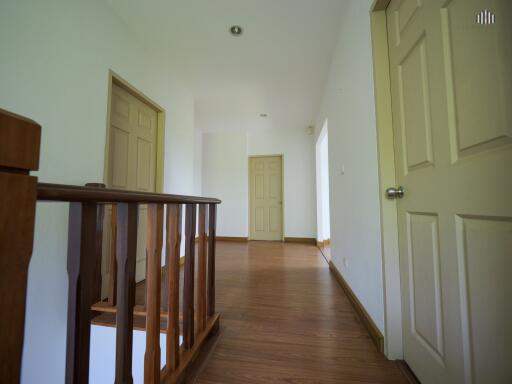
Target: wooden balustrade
[(84, 260), (19, 193)]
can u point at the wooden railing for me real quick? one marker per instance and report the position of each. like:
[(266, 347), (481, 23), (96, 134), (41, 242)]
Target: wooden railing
[(19, 153)]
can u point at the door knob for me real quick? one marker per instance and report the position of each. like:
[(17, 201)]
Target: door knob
[(395, 193)]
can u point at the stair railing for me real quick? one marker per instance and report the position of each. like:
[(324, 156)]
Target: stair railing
[(19, 192)]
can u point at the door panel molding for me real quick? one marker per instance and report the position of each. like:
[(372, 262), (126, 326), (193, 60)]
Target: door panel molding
[(497, 232)]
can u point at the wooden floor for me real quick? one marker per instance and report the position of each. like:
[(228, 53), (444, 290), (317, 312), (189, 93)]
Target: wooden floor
[(286, 320)]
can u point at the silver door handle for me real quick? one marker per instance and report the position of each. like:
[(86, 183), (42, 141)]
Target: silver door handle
[(395, 193)]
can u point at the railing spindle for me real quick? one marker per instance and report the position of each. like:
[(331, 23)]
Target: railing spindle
[(112, 281), (212, 221), (173, 286), (84, 270), (19, 153), (201, 271), (153, 281), (127, 215), (188, 283)]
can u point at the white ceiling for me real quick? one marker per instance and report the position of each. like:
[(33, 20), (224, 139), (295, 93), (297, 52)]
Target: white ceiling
[(278, 66)]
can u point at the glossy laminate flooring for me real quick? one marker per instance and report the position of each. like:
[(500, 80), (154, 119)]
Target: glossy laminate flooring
[(285, 319)]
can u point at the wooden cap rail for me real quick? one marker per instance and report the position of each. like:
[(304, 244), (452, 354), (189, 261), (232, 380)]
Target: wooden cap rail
[(71, 193), (87, 209)]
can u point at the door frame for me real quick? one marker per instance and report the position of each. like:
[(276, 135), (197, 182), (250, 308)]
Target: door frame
[(114, 78), (282, 192), (393, 340)]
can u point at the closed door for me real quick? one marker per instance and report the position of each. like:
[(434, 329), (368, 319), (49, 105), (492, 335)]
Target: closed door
[(266, 198), (452, 119), (131, 161)]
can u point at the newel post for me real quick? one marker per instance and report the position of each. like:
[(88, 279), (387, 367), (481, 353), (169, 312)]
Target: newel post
[(19, 154)]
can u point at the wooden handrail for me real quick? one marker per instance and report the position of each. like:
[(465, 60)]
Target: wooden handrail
[(19, 153), (72, 193)]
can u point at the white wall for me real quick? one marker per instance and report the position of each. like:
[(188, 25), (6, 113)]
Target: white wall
[(225, 175), (348, 104), (198, 163), (54, 69), (102, 365)]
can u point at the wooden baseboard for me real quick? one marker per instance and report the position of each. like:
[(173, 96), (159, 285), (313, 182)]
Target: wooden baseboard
[(407, 371), (323, 243), (373, 330), (197, 366), (188, 357), (301, 240), (233, 239)]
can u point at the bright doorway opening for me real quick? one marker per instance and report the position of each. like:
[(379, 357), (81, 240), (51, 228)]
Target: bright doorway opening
[(322, 190)]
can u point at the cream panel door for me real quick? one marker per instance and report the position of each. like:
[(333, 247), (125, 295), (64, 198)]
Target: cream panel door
[(132, 163), (266, 205), (452, 119)]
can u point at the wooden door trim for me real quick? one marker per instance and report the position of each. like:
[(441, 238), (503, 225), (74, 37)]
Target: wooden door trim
[(380, 5), (282, 193), (115, 79), (393, 343)]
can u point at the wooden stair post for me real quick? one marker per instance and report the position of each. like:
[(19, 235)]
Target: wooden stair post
[(212, 228), (173, 286), (19, 153), (126, 255), (84, 272), (188, 276), (153, 286)]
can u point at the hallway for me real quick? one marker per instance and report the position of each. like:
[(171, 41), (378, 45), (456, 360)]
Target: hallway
[(285, 319)]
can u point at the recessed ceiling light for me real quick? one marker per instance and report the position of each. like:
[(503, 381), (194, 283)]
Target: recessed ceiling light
[(263, 115), (236, 30)]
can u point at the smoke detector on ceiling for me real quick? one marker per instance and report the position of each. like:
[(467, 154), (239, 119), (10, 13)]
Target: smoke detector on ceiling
[(236, 30)]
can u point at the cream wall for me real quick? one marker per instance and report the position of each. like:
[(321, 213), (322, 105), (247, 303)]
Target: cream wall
[(55, 57), (349, 105), (225, 175)]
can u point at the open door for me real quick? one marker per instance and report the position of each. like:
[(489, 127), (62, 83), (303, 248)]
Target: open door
[(451, 85)]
